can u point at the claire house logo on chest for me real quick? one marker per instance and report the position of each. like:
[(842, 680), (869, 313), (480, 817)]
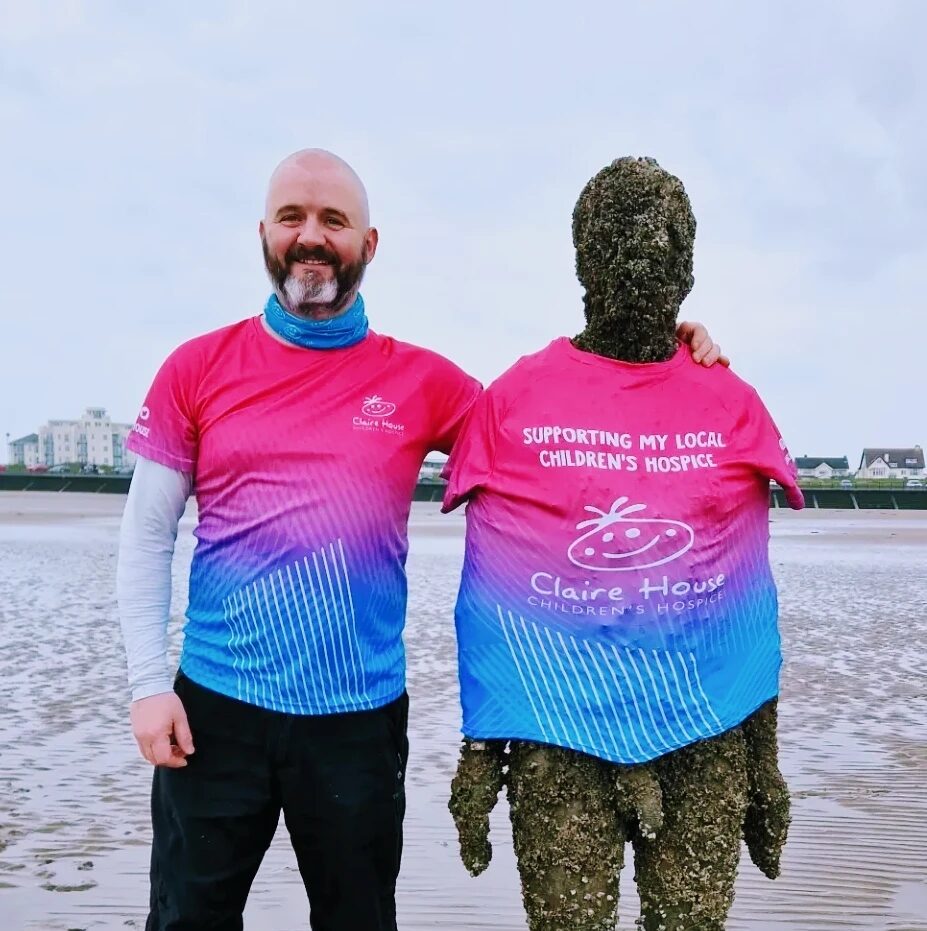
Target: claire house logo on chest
[(622, 540), (376, 415)]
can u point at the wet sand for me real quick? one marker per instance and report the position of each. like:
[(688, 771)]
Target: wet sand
[(74, 829)]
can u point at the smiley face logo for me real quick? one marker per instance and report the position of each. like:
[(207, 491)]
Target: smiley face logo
[(375, 406), (615, 542)]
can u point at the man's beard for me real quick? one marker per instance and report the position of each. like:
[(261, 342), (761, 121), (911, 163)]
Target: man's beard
[(308, 295)]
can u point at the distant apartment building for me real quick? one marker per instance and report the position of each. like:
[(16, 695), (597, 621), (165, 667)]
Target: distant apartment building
[(94, 439), (822, 467), (24, 451), (879, 462)]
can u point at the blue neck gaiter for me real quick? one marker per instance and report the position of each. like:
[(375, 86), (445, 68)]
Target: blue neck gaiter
[(336, 333)]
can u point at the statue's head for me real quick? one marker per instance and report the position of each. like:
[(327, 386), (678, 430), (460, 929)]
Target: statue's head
[(634, 231)]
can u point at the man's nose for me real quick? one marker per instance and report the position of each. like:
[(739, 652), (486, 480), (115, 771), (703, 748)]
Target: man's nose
[(312, 233)]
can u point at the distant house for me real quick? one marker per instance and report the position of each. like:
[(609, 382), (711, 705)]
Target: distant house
[(880, 462), (24, 451), (818, 467)]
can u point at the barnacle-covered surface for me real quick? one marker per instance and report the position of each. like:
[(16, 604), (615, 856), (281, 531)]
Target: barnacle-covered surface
[(474, 792), (572, 815), (766, 825), (634, 231), (569, 837), (685, 875)]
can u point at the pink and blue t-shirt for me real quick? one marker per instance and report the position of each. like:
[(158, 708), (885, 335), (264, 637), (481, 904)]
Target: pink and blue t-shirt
[(304, 464), (616, 596)]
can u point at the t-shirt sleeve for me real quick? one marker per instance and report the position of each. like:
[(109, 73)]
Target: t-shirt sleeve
[(473, 455), (765, 449), (453, 399), (165, 430)]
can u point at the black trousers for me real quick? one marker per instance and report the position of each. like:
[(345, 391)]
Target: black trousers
[(339, 781)]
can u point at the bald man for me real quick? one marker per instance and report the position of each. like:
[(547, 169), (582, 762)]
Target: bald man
[(301, 433)]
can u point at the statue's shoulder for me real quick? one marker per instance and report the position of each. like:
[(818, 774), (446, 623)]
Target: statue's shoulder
[(528, 369), (725, 385)]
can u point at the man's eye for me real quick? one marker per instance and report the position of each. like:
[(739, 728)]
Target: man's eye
[(334, 221)]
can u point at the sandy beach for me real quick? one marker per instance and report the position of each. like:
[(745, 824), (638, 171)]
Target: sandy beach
[(74, 830)]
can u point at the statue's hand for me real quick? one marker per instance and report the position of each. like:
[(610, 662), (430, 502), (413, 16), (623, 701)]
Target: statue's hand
[(766, 825), (474, 792), (639, 794)]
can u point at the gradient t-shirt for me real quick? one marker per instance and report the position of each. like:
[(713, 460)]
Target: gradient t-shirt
[(616, 597), (304, 463)]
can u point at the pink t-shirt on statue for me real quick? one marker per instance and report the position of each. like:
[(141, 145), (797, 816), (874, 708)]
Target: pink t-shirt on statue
[(616, 595)]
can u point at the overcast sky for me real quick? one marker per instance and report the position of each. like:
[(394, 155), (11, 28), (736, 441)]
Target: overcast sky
[(138, 139)]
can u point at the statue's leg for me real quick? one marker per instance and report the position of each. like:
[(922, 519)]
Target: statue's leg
[(569, 837), (685, 875)]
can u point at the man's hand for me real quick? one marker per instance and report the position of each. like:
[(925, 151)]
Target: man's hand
[(704, 350), (161, 730)]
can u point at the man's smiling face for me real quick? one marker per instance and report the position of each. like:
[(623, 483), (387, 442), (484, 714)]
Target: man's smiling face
[(316, 235)]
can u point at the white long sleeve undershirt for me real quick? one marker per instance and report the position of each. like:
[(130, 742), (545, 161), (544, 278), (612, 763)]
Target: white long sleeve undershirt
[(156, 502)]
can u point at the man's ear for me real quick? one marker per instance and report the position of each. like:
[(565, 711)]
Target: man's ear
[(371, 240)]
